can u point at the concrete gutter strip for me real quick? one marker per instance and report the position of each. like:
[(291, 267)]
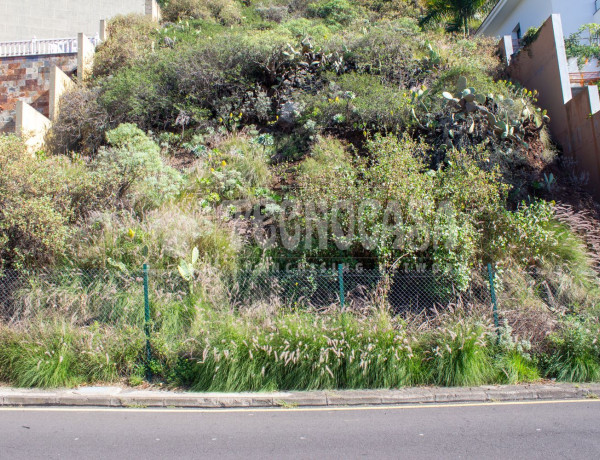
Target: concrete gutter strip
[(125, 397)]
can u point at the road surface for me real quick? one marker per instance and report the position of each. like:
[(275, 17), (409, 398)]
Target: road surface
[(544, 430)]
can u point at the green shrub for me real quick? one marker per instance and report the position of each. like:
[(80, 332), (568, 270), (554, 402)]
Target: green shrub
[(238, 169), (226, 12), (133, 162), (514, 361), (40, 200), (130, 38), (334, 11), (168, 234), (574, 354), (532, 236), (139, 95), (392, 51), (358, 102)]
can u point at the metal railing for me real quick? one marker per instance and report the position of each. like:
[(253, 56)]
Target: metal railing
[(584, 78), (36, 47)]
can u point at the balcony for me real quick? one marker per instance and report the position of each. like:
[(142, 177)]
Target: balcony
[(37, 47)]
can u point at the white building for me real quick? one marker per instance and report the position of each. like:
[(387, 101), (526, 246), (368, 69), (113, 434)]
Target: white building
[(44, 19), (514, 17)]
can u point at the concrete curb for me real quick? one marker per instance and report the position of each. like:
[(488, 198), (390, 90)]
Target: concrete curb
[(125, 397)]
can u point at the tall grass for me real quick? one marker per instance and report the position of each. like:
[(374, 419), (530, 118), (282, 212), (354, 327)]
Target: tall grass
[(460, 355), (58, 355), (70, 331), (300, 351)]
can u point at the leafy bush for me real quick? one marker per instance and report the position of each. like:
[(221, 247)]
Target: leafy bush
[(164, 236), (133, 162), (40, 199), (226, 12), (515, 362), (532, 236), (138, 95), (237, 169), (334, 11), (130, 38), (574, 354), (439, 227), (358, 102)]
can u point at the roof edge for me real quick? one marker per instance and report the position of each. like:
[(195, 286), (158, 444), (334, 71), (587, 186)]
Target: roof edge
[(490, 17)]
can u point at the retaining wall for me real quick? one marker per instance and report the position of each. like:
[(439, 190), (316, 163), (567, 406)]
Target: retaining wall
[(27, 78), (574, 112)]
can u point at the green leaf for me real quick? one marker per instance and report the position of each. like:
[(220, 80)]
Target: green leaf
[(117, 264), (195, 255)]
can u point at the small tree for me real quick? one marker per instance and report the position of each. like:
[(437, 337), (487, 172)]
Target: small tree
[(456, 12)]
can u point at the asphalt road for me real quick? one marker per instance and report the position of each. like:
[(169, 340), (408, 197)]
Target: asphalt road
[(506, 431)]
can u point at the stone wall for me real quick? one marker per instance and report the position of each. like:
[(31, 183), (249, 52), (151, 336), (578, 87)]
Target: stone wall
[(27, 78)]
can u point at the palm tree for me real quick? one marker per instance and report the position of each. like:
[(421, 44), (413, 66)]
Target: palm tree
[(456, 12)]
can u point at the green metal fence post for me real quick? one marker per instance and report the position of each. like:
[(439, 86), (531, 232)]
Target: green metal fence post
[(494, 300), (341, 281), (147, 323)]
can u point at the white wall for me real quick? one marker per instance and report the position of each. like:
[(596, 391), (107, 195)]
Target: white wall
[(529, 13), (532, 13), (574, 13), (26, 19)]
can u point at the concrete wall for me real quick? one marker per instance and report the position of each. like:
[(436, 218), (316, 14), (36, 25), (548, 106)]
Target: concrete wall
[(60, 83), (583, 113), (27, 78), (543, 66), (26, 19), (32, 126), (574, 114), (532, 13)]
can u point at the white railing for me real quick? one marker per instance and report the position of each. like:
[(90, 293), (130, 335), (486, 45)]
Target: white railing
[(38, 47)]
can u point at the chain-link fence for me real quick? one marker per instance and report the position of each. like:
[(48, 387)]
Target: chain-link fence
[(401, 292), (117, 297), (167, 300)]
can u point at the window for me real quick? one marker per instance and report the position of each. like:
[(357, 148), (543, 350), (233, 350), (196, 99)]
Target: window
[(516, 37), (516, 33)]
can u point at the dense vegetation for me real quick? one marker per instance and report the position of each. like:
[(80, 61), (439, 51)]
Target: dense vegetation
[(280, 102)]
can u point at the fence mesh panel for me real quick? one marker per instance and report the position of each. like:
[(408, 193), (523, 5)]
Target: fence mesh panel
[(116, 297)]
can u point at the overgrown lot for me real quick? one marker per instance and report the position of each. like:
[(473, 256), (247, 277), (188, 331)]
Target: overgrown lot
[(213, 145)]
